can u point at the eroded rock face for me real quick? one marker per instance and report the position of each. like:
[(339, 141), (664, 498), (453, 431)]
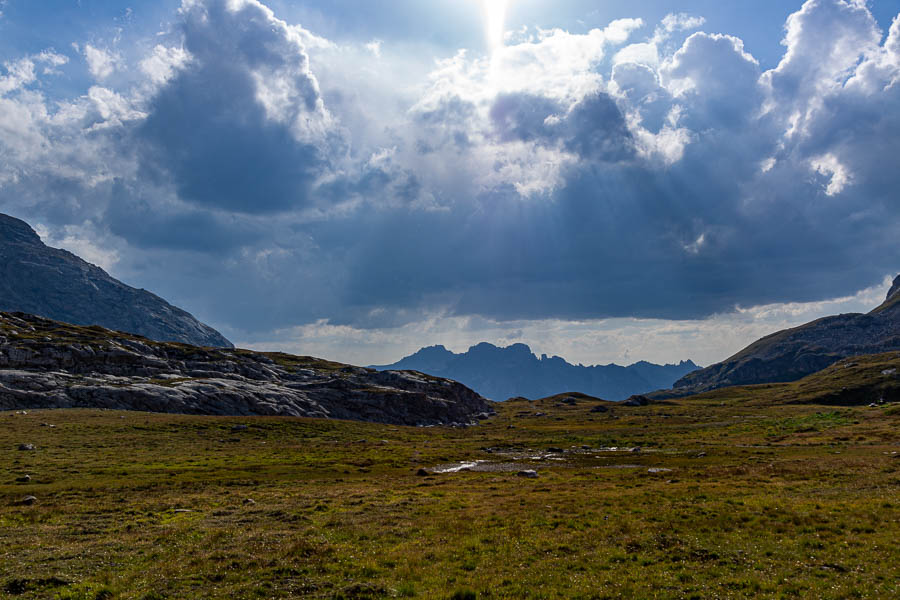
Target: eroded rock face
[(48, 364), (57, 284), (795, 353), (895, 288)]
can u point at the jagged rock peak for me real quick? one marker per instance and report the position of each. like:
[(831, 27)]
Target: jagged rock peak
[(16, 230), (895, 288), (53, 283)]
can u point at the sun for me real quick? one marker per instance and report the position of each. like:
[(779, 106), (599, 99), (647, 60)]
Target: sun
[(495, 18)]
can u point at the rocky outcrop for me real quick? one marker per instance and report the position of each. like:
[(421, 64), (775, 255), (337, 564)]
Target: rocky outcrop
[(48, 364), (57, 284), (795, 353), (895, 289)]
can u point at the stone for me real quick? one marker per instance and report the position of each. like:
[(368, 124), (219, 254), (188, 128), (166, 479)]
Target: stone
[(23, 479), (637, 400), (249, 501), (96, 368), (240, 427), (423, 472), (26, 447), (28, 500), (599, 409), (530, 474), (895, 288)]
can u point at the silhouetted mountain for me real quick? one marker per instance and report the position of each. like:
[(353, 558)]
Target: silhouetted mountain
[(502, 373), (795, 353), (56, 284)]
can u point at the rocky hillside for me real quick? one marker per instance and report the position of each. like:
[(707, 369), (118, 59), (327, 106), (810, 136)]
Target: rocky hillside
[(48, 364), (794, 353), (37, 279), (514, 371)]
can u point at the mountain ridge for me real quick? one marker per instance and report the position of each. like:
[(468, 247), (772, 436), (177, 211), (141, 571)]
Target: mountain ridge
[(54, 283), (515, 371), (790, 354)]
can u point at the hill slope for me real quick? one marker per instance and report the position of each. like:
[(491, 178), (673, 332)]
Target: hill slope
[(37, 279), (501, 373), (794, 353), (48, 364)]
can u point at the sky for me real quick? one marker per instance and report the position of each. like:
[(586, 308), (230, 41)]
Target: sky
[(604, 180)]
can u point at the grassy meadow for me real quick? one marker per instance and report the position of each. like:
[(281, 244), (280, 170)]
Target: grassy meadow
[(738, 493)]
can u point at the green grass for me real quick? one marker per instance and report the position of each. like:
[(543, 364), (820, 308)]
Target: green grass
[(764, 499)]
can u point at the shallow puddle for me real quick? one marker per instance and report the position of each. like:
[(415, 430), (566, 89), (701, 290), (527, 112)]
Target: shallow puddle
[(482, 466)]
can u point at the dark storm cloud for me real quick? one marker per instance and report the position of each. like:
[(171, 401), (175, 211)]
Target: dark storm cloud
[(148, 224), (447, 125), (593, 128), (210, 130), (674, 190), (620, 235), (522, 116)]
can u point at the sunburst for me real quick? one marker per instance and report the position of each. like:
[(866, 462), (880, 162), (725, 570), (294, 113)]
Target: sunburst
[(495, 19)]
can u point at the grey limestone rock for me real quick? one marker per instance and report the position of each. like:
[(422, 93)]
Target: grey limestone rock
[(37, 279), (57, 365)]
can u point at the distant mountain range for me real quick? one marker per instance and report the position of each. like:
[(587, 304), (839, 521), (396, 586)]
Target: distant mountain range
[(56, 284), (795, 353), (503, 373)]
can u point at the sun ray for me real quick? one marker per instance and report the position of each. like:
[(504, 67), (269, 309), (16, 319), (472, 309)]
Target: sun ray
[(495, 19)]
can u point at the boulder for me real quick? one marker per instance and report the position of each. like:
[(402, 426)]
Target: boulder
[(637, 400)]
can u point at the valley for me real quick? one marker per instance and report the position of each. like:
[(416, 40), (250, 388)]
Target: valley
[(757, 492)]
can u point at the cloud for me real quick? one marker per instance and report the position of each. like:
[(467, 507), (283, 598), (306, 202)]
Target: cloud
[(824, 41), (830, 166), (621, 341), (681, 22), (269, 178), (22, 72), (241, 125), (163, 63), (101, 62)]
